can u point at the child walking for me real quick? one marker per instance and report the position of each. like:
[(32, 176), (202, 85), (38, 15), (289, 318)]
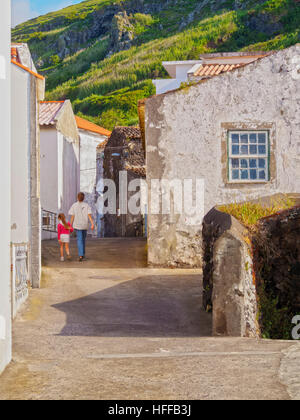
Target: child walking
[(64, 230)]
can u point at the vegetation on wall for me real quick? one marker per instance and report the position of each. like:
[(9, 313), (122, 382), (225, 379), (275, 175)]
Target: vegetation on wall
[(249, 213), (275, 261), (105, 80)]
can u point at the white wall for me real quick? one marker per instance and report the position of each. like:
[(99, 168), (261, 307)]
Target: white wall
[(88, 155), (68, 173), (20, 159), (49, 169), (181, 70), (49, 173), (165, 85), (186, 136), (5, 170), (60, 172), (88, 168)]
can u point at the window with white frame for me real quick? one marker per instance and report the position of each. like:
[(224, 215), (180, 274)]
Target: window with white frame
[(248, 156)]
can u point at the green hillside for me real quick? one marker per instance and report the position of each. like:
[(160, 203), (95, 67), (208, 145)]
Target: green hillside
[(103, 54)]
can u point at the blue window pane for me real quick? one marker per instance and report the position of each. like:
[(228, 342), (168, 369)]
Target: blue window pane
[(235, 163), (262, 175), (253, 174), (261, 163), (253, 149), (253, 138), (244, 138), (235, 174), (244, 150), (244, 174), (235, 138), (262, 138), (244, 163), (235, 150), (253, 163), (262, 150)]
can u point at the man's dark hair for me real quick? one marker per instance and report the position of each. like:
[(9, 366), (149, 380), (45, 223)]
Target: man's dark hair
[(80, 197)]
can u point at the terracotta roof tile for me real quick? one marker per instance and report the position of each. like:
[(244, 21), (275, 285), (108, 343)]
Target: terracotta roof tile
[(89, 126), (130, 132), (215, 69), (48, 112)]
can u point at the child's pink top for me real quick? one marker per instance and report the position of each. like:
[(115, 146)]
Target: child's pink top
[(61, 230)]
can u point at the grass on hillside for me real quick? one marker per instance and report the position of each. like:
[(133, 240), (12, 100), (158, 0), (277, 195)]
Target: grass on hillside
[(105, 89)]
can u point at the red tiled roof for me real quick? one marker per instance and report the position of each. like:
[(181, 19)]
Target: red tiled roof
[(215, 69), (48, 111), (94, 128)]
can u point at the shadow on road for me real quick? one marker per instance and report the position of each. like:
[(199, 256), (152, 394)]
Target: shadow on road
[(148, 306)]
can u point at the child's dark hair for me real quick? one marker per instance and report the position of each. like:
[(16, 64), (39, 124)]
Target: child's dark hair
[(62, 218), (81, 197)]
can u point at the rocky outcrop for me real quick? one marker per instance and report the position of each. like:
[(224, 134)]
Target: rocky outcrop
[(122, 32), (114, 21)]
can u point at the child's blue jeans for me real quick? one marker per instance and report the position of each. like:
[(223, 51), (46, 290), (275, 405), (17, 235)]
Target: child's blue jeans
[(81, 238)]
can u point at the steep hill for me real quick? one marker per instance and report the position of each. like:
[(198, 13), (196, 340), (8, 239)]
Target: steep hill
[(102, 54)]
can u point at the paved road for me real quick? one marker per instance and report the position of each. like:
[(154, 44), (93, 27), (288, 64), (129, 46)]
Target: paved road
[(110, 328)]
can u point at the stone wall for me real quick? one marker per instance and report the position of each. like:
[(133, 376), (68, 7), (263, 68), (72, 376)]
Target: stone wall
[(124, 154), (277, 270), (228, 287), (186, 138), (251, 278)]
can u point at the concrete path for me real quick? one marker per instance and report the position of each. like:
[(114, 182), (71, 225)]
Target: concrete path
[(110, 328)]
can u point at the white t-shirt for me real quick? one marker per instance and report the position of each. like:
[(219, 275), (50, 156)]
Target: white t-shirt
[(80, 211)]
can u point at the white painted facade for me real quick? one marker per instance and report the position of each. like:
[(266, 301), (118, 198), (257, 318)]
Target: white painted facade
[(20, 214), (178, 71), (60, 165), (27, 90), (5, 171), (187, 137), (89, 173)]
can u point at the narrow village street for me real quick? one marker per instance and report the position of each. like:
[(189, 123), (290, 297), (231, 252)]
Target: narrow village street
[(110, 328)]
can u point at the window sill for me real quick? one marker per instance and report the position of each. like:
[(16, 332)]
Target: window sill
[(238, 183)]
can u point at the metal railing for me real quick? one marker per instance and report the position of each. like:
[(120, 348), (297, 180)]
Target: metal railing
[(49, 221)]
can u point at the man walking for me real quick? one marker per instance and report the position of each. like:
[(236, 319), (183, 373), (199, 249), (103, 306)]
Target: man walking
[(81, 214)]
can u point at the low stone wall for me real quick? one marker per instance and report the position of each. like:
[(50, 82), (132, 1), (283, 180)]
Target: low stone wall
[(252, 279), (229, 290), (276, 247)]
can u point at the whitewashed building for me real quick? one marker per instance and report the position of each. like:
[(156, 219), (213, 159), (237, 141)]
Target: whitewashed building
[(60, 167), (5, 171), (93, 139), (236, 133), (27, 90)]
